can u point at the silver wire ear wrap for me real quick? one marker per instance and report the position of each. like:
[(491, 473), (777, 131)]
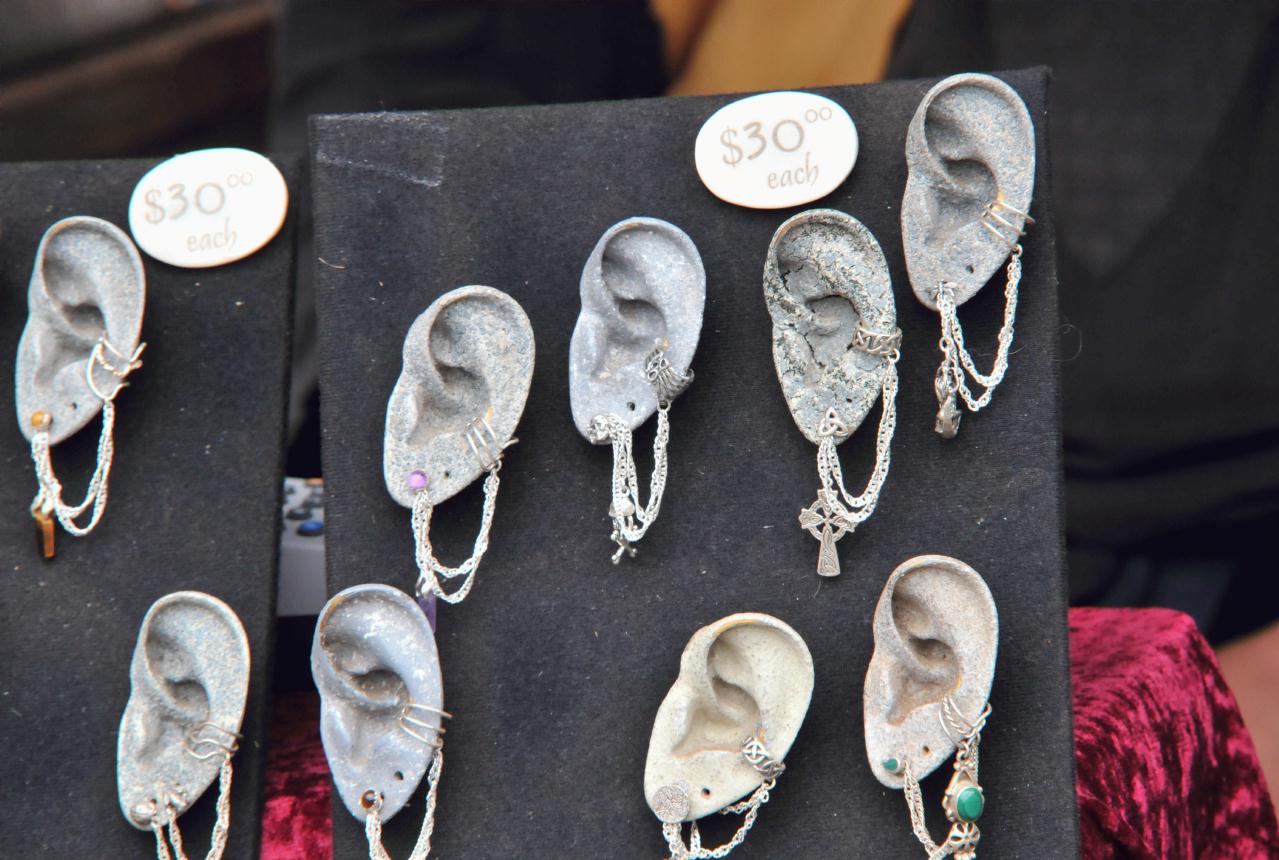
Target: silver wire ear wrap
[(432, 575), (964, 800), (204, 741), (631, 520), (758, 757), (48, 502)]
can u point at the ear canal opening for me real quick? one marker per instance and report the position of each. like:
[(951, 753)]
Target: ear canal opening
[(829, 317), (935, 673), (641, 323)]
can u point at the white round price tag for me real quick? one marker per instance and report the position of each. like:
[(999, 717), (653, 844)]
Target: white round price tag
[(208, 207), (774, 150)]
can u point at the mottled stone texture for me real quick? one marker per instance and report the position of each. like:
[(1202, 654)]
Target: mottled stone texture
[(643, 286), (970, 144), (469, 356), (87, 281), (374, 654), (824, 272), (190, 666), (936, 635), (745, 675)]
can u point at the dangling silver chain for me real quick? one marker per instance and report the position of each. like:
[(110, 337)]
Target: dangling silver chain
[(431, 573), (951, 379), (963, 837), (204, 741), (836, 511), (631, 520), (48, 501), (373, 821)]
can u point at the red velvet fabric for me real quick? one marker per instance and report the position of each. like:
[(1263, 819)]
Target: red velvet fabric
[(1165, 768)]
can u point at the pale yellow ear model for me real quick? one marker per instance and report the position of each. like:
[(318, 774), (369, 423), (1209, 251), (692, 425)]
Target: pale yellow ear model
[(725, 726), (926, 691)]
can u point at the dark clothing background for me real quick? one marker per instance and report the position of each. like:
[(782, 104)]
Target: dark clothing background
[(1164, 133)]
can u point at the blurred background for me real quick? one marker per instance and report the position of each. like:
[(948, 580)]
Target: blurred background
[(1164, 134)]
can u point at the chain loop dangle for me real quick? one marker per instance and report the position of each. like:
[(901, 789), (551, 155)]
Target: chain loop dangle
[(432, 574), (964, 799), (373, 821), (203, 741)]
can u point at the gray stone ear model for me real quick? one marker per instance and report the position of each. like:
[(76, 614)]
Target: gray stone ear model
[(643, 294), (925, 697), (835, 346), (468, 365), (85, 304), (375, 664), (189, 680), (727, 723), (970, 153)]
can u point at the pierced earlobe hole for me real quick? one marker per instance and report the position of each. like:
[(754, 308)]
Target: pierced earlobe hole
[(399, 776), (630, 406), (970, 268), (928, 751), (706, 792), (448, 474)]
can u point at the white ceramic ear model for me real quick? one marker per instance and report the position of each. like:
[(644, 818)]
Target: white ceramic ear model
[(643, 288), (936, 636), (468, 361), (970, 153), (87, 284), (824, 277), (189, 681), (747, 675), (375, 664)]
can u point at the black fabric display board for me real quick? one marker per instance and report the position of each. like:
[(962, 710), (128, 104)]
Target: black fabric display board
[(556, 663), (194, 504)]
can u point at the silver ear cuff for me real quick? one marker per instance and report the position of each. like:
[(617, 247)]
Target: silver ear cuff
[(758, 757), (484, 444), (209, 740), (417, 727), (996, 223), (964, 800)]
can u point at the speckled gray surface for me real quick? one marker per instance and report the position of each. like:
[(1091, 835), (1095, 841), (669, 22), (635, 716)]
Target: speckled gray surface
[(191, 666), (745, 675), (936, 635), (373, 654), (823, 273), (468, 356), (643, 286), (971, 143), (87, 280)]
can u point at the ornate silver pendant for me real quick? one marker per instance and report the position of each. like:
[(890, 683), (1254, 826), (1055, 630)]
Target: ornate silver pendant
[(835, 347), (643, 293), (468, 365), (970, 152)]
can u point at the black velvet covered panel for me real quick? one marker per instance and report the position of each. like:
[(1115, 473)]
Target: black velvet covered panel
[(194, 504), (556, 663)]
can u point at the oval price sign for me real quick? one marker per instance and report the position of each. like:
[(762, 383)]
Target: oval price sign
[(208, 207), (774, 150)]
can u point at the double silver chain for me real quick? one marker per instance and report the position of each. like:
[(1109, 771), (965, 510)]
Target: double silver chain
[(432, 574), (836, 511), (963, 837), (957, 364), (48, 501), (631, 519), (204, 741)]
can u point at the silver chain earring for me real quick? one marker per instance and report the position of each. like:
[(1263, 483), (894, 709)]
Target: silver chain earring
[(836, 345), (960, 224), (73, 363), (643, 291), (468, 365)]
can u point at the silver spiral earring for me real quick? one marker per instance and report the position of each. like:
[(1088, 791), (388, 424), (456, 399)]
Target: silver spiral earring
[(970, 151), (468, 365), (925, 696), (835, 346), (643, 293), (81, 342)]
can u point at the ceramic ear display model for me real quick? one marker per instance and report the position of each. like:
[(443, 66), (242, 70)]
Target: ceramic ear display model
[(375, 664), (970, 152), (85, 304), (180, 729), (468, 365), (643, 294), (725, 727), (835, 346), (926, 691)]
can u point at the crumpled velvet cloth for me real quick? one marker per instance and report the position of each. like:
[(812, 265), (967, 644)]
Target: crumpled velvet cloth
[(1165, 768)]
